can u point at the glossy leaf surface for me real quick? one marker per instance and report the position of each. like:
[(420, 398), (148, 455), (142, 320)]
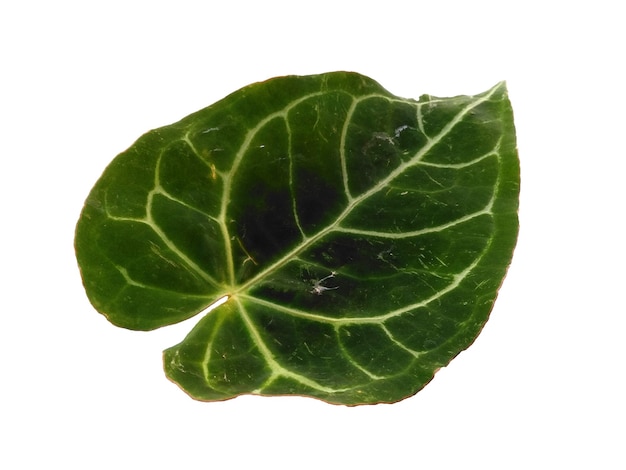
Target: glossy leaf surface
[(361, 237)]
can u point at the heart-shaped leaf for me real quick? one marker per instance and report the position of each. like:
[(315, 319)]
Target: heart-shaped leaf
[(361, 238)]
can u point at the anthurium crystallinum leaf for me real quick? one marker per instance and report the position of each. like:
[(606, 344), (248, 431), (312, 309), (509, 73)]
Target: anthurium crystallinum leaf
[(360, 238)]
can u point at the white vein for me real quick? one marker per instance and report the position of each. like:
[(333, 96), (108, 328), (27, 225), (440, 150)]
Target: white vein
[(399, 344), (230, 176), (342, 152), (416, 233), (277, 369), (294, 199), (148, 220)]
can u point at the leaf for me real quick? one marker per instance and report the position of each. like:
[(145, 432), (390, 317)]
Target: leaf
[(361, 238)]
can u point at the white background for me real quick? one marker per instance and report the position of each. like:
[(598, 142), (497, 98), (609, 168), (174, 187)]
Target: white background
[(542, 387)]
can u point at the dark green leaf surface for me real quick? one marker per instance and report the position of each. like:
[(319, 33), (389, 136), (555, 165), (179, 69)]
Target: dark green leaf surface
[(361, 237)]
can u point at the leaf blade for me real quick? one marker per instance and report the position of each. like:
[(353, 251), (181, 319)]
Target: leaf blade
[(360, 237)]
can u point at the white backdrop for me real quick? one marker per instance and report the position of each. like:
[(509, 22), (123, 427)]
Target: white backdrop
[(543, 385)]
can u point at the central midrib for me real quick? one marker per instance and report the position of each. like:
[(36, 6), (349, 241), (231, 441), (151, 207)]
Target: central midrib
[(356, 201)]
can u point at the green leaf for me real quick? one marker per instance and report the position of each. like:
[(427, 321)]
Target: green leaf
[(361, 238)]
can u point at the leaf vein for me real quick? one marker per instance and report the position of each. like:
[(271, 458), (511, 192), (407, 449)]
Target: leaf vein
[(269, 357), (419, 155)]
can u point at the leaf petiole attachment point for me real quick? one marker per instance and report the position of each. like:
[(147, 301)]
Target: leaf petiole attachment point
[(222, 300)]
